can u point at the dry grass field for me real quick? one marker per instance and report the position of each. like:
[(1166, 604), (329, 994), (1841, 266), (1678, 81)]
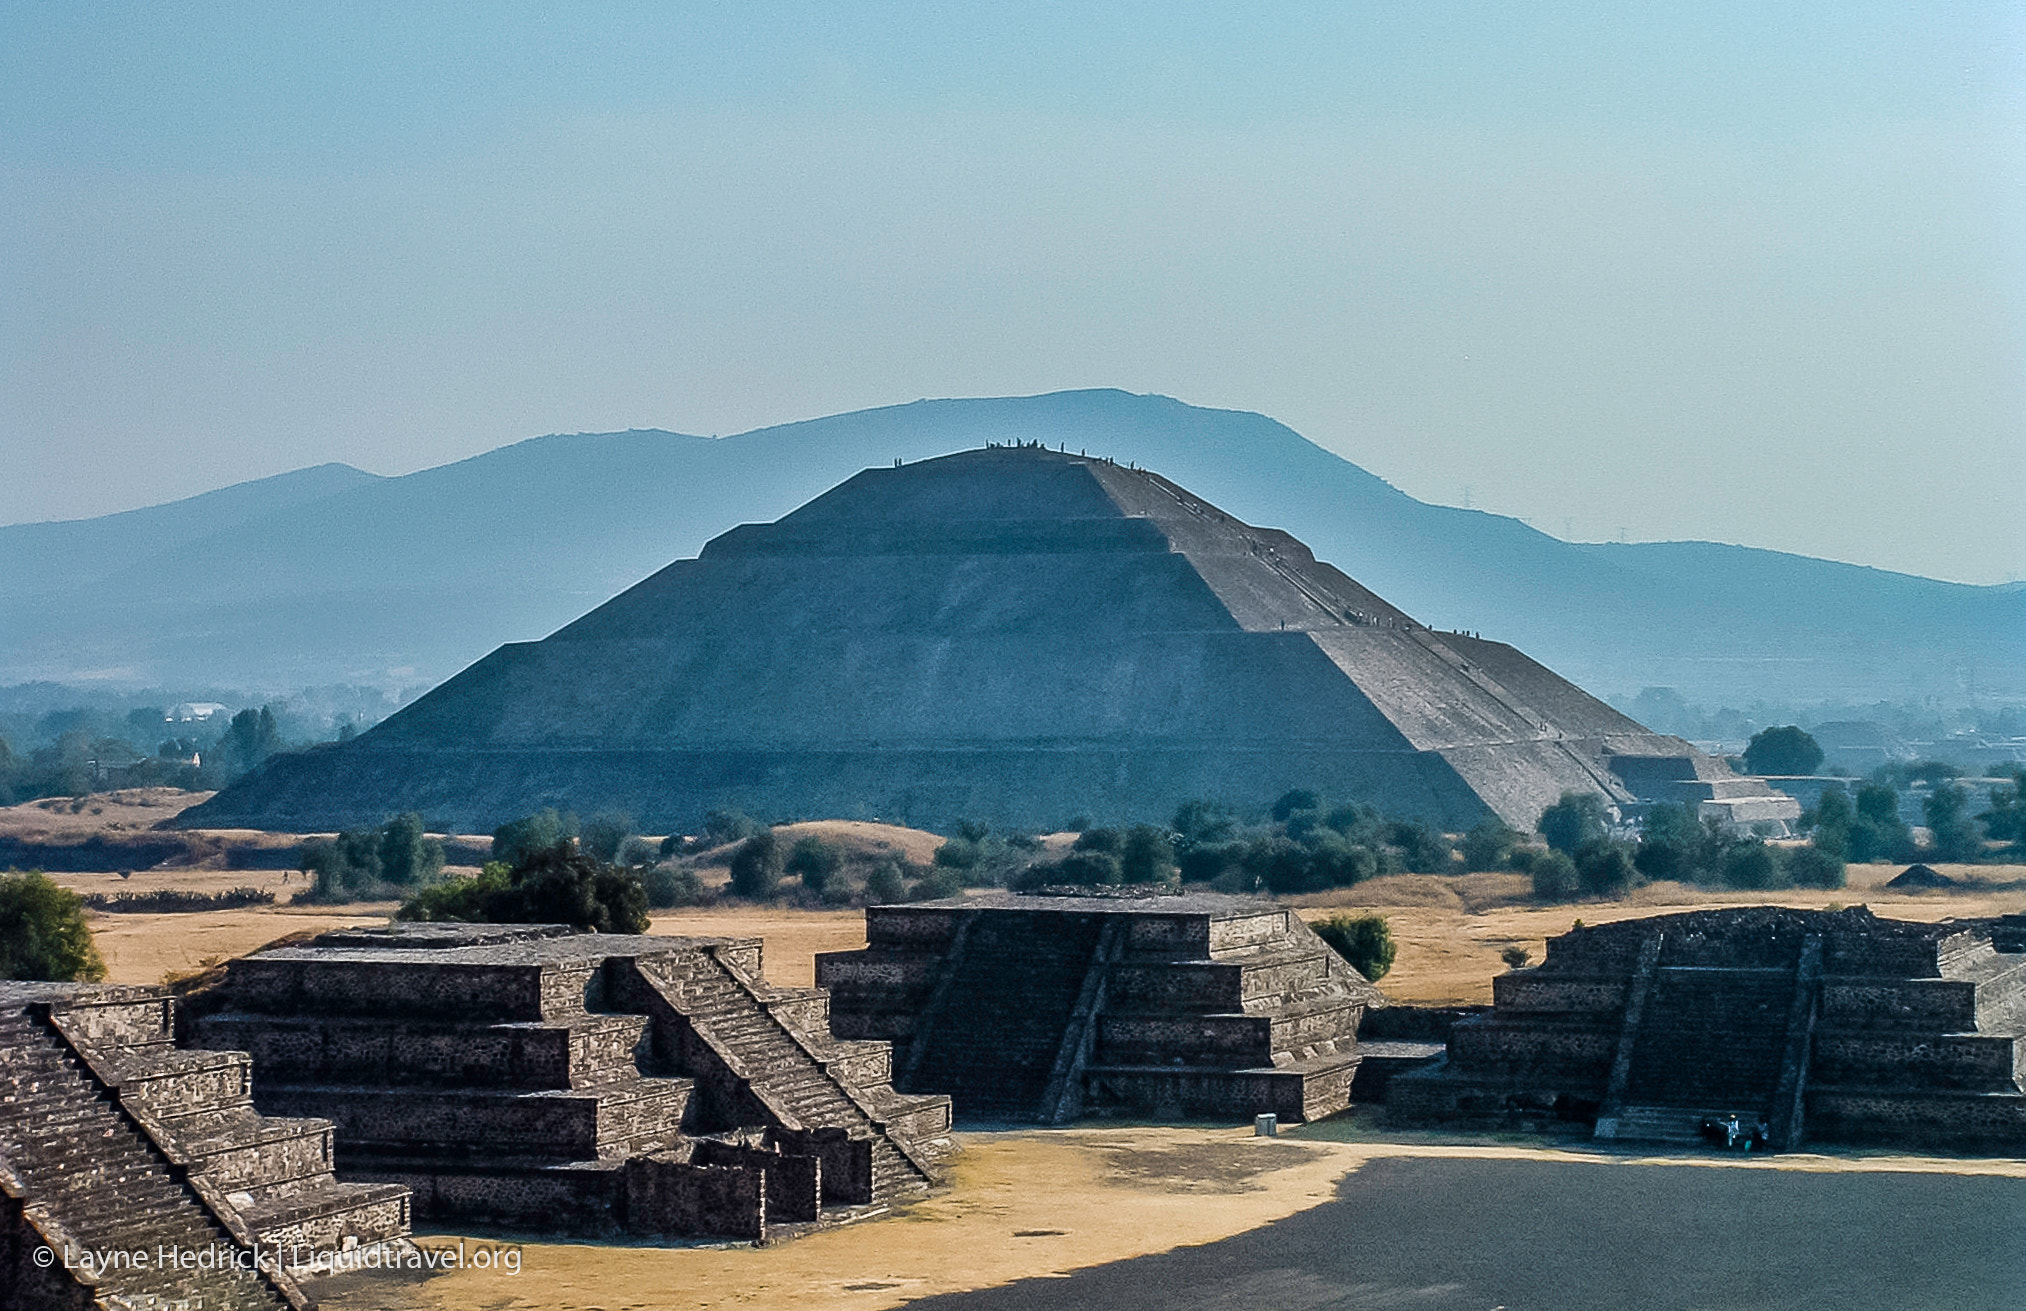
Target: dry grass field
[(1450, 929)]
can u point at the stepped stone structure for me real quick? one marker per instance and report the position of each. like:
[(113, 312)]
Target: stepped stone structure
[(1044, 1008), (112, 1140), (1010, 635), (1834, 1026), (539, 1078)]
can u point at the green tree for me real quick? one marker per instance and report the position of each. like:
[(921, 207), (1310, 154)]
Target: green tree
[(756, 866), (2006, 819), (1146, 855), (1814, 867), (1752, 865), (1878, 833), (519, 839), (1292, 801), (1579, 817), (1831, 823), (1554, 876), (1106, 840), (1604, 868), (723, 826), (1366, 941), (1488, 845), (1087, 868), (884, 885), (1201, 822), (957, 853), (43, 933), (1952, 833), (1422, 849), (1785, 750), (815, 862), (668, 886), (1668, 843), (604, 833), (407, 857), (936, 883), (344, 868)]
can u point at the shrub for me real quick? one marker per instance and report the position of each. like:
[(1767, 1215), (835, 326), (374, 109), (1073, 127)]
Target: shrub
[(722, 826), (885, 885), (1813, 867), (1488, 845), (1366, 941), (559, 885), (1294, 799), (1147, 856), (638, 852), (1752, 865), (1574, 820), (1422, 849), (1090, 868), (957, 853), (936, 883), (671, 885), (1106, 840), (1515, 956), (43, 933), (1554, 876), (1604, 868), (756, 866), (604, 833)]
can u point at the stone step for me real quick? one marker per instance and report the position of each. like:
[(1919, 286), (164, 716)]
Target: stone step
[(1670, 1124)]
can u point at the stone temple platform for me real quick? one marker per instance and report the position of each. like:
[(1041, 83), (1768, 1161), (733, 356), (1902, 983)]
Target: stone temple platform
[(1833, 1026), (1044, 1008), (537, 1078), (114, 1139)]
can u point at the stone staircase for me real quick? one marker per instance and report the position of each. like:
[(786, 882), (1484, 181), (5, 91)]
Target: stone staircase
[(777, 1040), (274, 1173), (993, 1038), (82, 1175), (1712, 1037)]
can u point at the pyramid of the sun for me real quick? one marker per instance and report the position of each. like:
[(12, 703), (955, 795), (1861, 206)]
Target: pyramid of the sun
[(1011, 635)]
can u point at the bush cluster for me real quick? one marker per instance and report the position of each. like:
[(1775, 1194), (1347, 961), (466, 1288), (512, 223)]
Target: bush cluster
[(560, 884), (370, 864)]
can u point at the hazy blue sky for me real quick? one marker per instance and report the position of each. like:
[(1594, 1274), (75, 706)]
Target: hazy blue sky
[(1750, 272)]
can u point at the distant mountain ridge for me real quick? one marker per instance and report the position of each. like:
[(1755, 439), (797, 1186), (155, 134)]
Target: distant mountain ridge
[(335, 575)]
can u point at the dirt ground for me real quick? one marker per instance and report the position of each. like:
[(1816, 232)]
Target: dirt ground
[(1022, 1205)]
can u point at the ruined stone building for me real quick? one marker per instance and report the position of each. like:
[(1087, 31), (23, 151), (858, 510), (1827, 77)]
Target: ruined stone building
[(1045, 1008), (1829, 1026), (1009, 635), (537, 1078), (114, 1140)]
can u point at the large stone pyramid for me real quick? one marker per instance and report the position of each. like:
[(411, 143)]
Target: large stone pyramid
[(1012, 635)]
